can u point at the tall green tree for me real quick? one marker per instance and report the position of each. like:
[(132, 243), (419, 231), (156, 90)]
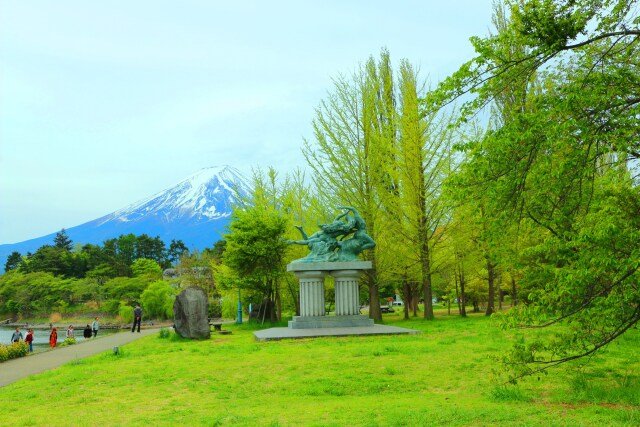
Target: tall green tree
[(47, 258), (13, 261), (150, 248), (62, 241), (177, 248), (354, 131), (561, 166), (300, 206), (256, 248), (424, 159)]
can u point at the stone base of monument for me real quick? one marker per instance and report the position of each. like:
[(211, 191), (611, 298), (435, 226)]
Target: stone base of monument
[(312, 322), (309, 322), (290, 333)]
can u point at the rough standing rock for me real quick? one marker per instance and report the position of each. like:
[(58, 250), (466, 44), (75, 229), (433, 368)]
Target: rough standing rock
[(191, 309)]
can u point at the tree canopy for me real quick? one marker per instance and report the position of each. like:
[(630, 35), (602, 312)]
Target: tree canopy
[(560, 164)]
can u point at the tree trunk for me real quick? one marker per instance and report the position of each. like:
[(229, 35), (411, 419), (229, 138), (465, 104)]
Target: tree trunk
[(491, 297), (278, 302), (455, 278), (295, 295), (514, 291), (272, 305), (262, 312), (406, 289), (425, 261), (463, 297), (500, 292), (374, 302), (374, 295)]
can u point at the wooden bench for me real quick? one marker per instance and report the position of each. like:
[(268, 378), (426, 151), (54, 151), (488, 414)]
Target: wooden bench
[(217, 326)]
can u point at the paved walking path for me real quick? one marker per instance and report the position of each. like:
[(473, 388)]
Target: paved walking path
[(22, 367)]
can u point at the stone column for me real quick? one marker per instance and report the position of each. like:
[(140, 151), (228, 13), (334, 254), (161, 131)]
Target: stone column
[(347, 292), (311, 292), (311, 277)]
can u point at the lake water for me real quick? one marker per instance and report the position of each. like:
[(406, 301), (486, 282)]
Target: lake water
[(41, 336)]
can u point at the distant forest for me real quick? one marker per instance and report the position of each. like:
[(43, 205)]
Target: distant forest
[(110, 277), (113, 258)]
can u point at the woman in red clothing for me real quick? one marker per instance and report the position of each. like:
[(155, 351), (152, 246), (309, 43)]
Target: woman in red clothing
[(53, 338)]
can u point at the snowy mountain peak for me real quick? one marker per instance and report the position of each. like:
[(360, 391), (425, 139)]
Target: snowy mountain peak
[(196, 210), (208, 193)]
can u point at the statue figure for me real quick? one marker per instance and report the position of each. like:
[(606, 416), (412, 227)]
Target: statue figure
[(329, 244), (351, 247)]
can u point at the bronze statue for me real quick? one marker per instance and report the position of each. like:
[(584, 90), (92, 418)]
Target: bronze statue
[(329, 244)]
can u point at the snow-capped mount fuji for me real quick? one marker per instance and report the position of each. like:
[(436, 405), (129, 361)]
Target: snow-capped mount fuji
[(207, 195), (196, 211)]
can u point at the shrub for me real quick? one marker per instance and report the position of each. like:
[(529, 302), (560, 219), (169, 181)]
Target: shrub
[(126, 313), (215, 308), (68, 341), (229, 308), (111, 306), (157, 300), (164, 333), (17, 349)]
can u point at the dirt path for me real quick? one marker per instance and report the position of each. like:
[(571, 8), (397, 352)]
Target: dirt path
[(17, 369)]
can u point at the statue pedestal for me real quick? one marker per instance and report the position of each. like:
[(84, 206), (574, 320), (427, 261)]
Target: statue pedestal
[(313, 322), (312, 312), (347, 292), (311, 292)]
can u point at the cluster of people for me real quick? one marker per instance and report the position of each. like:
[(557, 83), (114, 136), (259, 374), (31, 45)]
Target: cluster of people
[(17, 337), (92, 330), (89, 331)]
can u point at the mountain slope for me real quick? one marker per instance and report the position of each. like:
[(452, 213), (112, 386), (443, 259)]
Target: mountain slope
[(196, 211)]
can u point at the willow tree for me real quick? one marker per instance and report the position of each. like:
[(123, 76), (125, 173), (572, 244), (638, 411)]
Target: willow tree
[(563, 167), (354, 135)]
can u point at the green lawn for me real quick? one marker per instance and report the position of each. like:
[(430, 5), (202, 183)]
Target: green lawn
[(443, 376)]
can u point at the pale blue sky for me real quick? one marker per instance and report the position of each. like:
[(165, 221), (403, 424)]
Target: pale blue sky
[(105, 103)]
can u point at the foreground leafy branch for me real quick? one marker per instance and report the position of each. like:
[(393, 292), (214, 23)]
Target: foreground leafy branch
[(562, 79)]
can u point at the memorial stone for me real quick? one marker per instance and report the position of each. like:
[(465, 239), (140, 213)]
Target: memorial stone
[(191, 309)]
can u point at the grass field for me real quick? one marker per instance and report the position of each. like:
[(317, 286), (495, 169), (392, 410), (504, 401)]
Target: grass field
[(440, 377)]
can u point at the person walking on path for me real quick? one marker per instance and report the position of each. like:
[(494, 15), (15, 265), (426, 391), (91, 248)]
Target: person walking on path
[(95, 327), (87, 332), (53, 338), (22, 367), (29, 339), (70, 332), (16, 336), (137, 317)]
